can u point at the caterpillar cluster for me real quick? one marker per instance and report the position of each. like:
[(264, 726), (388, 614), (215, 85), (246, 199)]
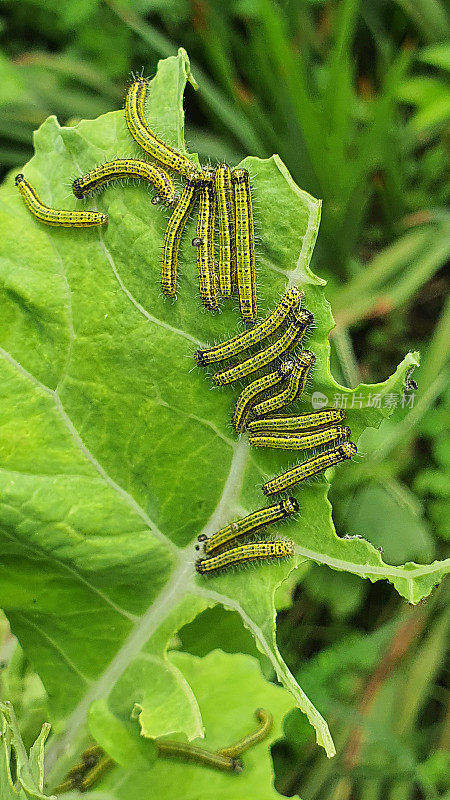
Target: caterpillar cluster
[(224, 195), (286, 326), (221, 193)]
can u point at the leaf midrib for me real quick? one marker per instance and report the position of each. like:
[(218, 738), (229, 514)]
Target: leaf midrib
[(180, 583)]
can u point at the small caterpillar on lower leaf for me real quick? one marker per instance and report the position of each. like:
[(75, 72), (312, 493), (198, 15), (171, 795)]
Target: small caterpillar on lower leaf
[(251, 523), (257, 551), (189, 752), (127, 168), (94, 763), (311, 467), (86, 774), (410, 384), (266, 721), (52, 216)]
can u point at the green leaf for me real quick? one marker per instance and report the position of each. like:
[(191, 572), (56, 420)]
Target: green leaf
[(115, 452), (12, 87), (438, 55), (421, 90), (331, 674), (435, 113), (392, 517), (24, 689), (434, 772), (342, 595), (29, 769), (429, 16), (228, 688)]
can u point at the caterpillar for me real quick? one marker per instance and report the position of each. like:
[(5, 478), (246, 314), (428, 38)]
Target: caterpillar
[(295, 387), (315, 419), (308, 468), (266, 721), (291, 337), (301, 442), (204, 240), (251, 523), (257, 551), (146, 138), (106, 763), (410, 384), (94, 763), (127, 168), (245, 244), (83, 776), (172, 237), (226, 224), (52, 216), (250, 394), (289, 302), (189, 752)]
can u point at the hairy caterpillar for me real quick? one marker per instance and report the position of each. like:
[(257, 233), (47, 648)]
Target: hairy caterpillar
[(204, 240), (315, 419), (52, 216), (289, 302), (302, 441), (251, 523), (291, 337), (127, 168), (295, 387), (245, 244), (146, 138), (172, 237), (257, 551), (226, 224), (311, 467)]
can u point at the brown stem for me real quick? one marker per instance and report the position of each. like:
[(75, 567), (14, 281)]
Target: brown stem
[(405, 634)]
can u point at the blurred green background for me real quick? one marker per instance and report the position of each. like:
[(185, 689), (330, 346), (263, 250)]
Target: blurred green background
[(355, 98)]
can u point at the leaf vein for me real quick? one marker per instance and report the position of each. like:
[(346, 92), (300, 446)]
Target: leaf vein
[(52, 558), (140, 308), (131, 502), (53, 644)]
